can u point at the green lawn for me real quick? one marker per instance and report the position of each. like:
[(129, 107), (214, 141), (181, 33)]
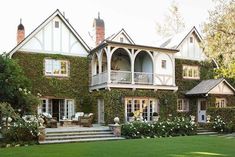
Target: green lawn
[(193, 146)]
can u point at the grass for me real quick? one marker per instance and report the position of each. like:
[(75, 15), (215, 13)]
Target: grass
[(193, 146)]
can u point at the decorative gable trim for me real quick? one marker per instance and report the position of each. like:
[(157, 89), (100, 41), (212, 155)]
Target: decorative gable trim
[(194, 29), (42, 25), (122, 31)]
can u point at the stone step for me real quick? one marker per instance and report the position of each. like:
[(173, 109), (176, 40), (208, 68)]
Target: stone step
[(74, 131), (81, 140), (78, 137), (78, 133), (207, 133), (205, 130)]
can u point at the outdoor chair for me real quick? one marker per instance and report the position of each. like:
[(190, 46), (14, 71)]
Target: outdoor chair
[(49, 122), (76, 119), (87, 119)]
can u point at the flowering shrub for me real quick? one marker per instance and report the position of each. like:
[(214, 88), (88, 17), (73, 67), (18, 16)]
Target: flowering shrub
[(21, 130), (221, 126), (174, 127), (15, 129)]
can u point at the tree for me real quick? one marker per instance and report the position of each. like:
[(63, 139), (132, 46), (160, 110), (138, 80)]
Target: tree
[(219, 32), (15, 87), (173, 22)]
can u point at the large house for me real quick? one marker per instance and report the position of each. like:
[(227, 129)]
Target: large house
[(117, 76)]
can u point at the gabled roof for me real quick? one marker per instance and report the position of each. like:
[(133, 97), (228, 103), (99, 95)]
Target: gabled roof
[(122, 31), (206, 86), (176, 40), (44, 23), (137, 46)]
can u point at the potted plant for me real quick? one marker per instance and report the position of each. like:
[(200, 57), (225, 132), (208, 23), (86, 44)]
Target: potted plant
[(131, 117), (155, 116)]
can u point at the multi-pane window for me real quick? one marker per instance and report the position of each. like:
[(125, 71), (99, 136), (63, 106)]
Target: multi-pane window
[(163, 64), (43, 106), (182, 105), (191, 72), (128, 107), (56, 67), (143, 108), (220, 103)]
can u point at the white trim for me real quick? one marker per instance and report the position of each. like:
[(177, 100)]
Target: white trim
[(51, 52), (40, 27), (122, 31), (132, 86)]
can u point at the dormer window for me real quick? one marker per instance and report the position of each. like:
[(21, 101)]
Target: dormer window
[(57, 24), (121, 40), (191, 39)]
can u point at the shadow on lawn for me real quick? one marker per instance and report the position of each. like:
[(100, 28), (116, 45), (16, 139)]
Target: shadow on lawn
[(198, 154)]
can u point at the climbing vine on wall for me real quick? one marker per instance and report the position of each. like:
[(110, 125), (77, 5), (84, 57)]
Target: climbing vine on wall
[(73, 87)]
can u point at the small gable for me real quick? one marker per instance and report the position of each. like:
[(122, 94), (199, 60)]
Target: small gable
[(122, 37), (222, 88), (54, 36)]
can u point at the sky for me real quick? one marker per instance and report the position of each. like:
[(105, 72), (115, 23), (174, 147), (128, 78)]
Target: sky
[(137, 17)]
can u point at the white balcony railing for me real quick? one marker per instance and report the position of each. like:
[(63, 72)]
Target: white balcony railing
[(100, 78), (143, 78), (124, 77), (120, 76)]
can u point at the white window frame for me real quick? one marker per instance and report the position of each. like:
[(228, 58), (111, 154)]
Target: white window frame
[(221, 103), (194, 70), (184, 103), (150, 108), (52, 62)]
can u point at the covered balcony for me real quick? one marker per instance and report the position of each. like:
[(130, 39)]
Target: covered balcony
[(125, 67)]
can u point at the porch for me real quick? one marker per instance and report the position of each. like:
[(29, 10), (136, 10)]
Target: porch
[(132, 66)]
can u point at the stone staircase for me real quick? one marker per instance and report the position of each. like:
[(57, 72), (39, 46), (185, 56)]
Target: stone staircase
[(68, 135), (203, 131)]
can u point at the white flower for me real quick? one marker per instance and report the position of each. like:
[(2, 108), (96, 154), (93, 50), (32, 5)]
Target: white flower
[(20, 89)]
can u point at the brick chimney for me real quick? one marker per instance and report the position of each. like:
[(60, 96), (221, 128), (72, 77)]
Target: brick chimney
[(98, 26), (20, 32)]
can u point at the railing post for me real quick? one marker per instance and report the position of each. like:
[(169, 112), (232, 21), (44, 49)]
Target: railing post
[(132, 67), (109, 65)]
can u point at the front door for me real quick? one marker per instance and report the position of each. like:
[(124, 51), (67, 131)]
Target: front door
[(202, 110), (101, 111)]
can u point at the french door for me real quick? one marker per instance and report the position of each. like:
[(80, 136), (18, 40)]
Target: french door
[(65, 107), (141, 107)]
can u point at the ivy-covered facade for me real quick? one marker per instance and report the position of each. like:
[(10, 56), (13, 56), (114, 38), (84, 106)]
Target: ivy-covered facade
[(117, 78)]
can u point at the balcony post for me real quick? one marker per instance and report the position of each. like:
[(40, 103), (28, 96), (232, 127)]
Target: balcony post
[(100, 58), (132, 67), (173, 70), (154, 69), (109, 56)]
